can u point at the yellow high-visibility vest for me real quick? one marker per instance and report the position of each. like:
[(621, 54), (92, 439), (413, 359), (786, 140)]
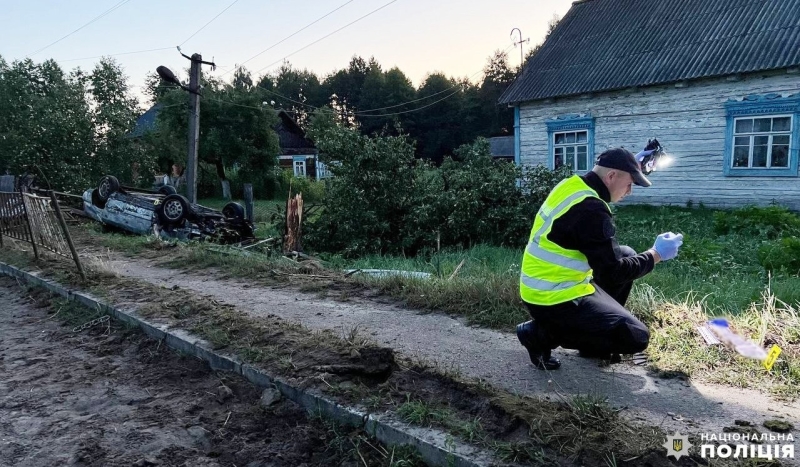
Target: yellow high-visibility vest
[(551, 274)]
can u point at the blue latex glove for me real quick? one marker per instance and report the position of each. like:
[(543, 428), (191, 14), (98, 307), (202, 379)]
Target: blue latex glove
[(667, 245)]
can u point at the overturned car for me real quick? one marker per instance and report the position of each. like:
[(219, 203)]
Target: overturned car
[(164, 213)]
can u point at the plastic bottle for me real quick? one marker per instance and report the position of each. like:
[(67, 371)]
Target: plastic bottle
[(745, 347)]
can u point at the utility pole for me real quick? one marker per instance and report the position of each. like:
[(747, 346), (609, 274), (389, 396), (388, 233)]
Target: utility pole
[(520, 42), (194, 127), (194, 115)]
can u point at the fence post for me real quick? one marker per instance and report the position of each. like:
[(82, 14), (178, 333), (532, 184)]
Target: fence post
[(226, 190), (7, 183), (28, 221), (248, 201), (67, 236)]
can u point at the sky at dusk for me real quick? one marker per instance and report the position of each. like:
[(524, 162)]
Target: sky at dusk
[(417, 36)]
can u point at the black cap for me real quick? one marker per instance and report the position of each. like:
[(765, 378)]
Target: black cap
[(622, 159)]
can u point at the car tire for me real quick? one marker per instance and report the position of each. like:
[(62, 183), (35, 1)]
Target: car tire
[(173, 210), (108, 186), (167, 190), (233, 211)]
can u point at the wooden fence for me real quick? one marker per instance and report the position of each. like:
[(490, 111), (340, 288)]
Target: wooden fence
[(37, 220)]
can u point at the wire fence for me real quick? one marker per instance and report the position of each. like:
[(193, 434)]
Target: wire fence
[(37, 220)]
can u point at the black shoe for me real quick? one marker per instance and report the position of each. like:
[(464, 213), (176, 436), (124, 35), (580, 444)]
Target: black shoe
[(607, 356), (541, 358)]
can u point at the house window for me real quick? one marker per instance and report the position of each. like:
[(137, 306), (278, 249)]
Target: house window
[(299, 165), (571, 149), (762, 142), (761, 136), (571, 142)]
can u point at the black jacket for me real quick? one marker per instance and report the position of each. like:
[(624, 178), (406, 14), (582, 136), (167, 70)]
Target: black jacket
[(589, 228)]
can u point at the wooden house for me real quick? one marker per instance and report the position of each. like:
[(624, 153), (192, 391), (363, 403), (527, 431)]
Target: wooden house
[(298, 153), (716, 81)]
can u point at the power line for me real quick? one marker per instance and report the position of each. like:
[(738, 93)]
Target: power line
[(138, 51), (354, 113), (233, 103), (364, 112), (292, 35), (408, 111), (328, 35), (90, 22), (430, 95), (116, 55), (212, 20)]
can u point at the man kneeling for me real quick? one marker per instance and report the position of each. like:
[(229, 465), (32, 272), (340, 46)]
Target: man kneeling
[(576, 278)]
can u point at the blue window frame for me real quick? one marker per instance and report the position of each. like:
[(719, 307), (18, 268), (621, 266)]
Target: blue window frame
[(762, 136), (299, 166), (571, 142)]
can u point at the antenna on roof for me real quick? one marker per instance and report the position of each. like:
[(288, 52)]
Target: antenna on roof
[(520, 42)]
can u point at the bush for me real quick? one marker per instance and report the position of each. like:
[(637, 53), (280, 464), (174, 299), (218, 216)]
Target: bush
[(371, 195), (381, 200), (472, 199), (783, 254), (770, 222), (313, 191)]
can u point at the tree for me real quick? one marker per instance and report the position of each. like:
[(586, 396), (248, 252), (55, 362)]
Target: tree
[(114, 113), (368, 201), (236, 130), (242, 79), (437, 127), (497, 76), (46, 124), (297, 92), (373, 96), (344, 88)]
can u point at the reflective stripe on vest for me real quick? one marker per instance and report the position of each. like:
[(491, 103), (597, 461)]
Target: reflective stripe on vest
[(541, 284), (555, 274)]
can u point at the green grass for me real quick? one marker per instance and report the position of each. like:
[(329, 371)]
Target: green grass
[(722, 269), (424, 414)]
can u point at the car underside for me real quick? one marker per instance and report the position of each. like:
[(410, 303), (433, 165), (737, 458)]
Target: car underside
[(164, 213)]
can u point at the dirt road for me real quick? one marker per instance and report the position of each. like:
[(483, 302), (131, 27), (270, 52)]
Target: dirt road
[(107, 396), (496, 357)]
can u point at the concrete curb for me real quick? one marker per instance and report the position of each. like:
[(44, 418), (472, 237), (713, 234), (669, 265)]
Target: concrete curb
[(434, 446)]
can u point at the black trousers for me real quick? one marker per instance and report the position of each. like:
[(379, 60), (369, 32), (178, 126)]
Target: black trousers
[(597, 323)]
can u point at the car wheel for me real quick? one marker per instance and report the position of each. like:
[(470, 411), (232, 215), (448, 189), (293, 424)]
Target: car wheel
[(233, 211), (108, 185), (167, 190), (173, 209)]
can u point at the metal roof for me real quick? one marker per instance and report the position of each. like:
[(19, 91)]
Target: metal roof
[(603, 45), (146, 122)]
